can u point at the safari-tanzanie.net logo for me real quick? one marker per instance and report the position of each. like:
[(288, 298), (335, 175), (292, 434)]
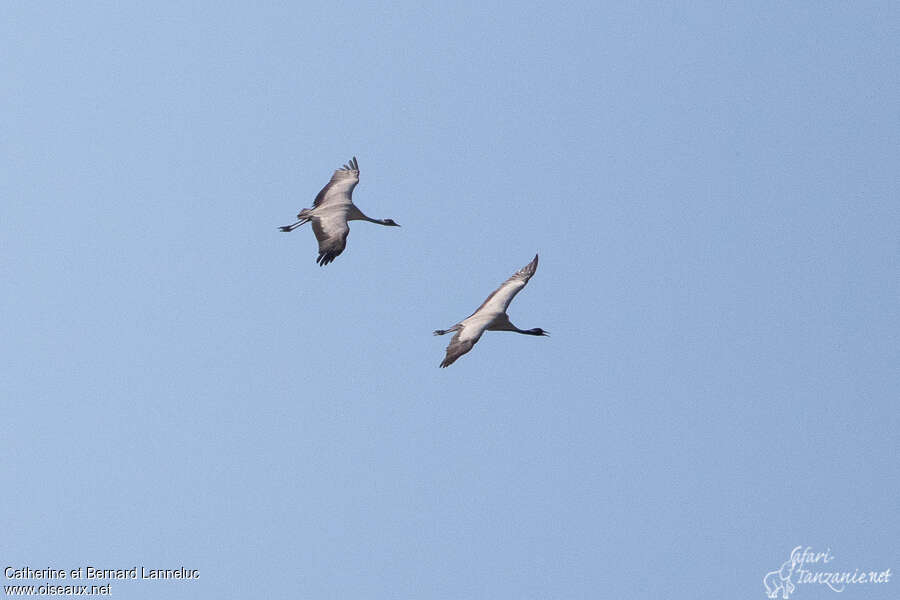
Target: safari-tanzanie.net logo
[(806, 567)]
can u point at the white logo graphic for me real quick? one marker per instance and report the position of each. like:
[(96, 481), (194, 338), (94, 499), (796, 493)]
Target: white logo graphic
[(801, 568), (780, 580)]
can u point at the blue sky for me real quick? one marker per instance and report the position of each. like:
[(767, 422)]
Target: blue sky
[(713, 192)]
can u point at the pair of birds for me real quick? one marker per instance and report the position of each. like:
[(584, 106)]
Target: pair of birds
[(333, 208)]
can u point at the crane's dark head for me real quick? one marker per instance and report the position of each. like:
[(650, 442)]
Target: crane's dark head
[(390, 222), (538, 331)]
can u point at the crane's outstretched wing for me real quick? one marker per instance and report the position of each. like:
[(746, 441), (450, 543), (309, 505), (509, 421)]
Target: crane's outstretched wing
[(461, 343), (331, 231), (340, 188), (500, 298)]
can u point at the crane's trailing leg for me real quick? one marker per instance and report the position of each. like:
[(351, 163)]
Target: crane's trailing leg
[(293, 226), (443, 331)]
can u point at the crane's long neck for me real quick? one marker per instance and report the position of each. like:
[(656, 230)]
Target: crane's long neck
[(359, 216), (504, 324), (535, 331), (527, 331), (354, 214)]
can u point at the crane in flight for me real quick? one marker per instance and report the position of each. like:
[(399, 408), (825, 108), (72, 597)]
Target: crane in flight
[(331, 210), (490, 316)]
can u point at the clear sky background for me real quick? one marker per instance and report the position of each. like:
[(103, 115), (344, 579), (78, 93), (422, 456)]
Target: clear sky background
[(713, 191)]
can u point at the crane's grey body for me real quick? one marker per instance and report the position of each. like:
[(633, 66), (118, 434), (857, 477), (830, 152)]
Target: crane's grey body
[(490, 316), (332, 209)]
